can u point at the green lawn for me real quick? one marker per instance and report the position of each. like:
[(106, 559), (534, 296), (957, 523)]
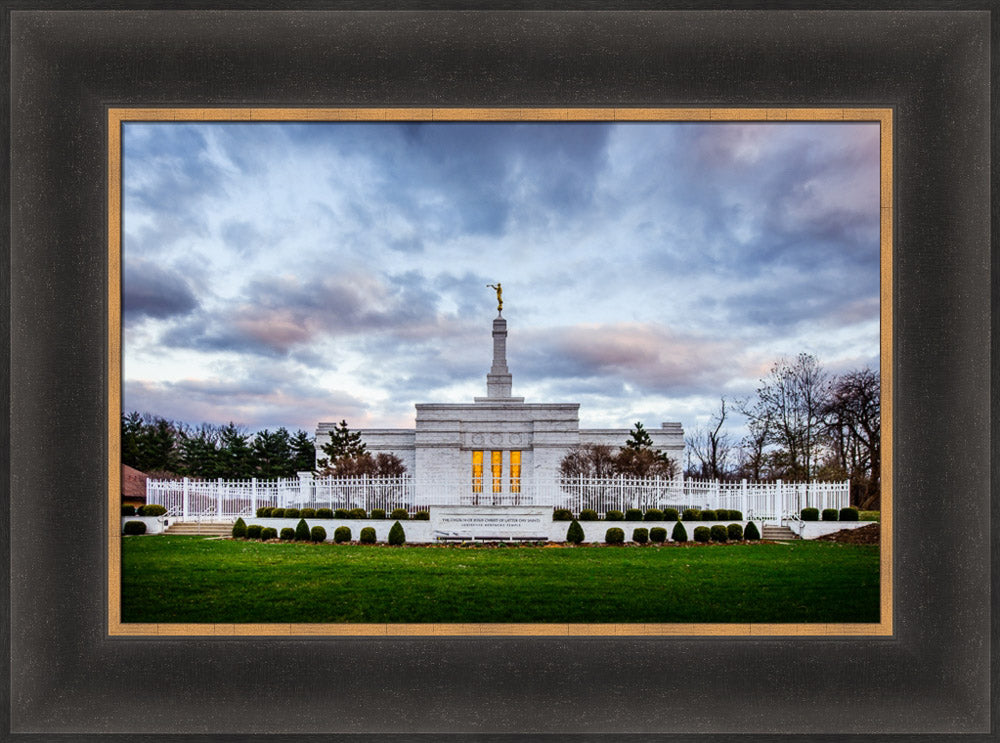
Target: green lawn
[(192, 579)]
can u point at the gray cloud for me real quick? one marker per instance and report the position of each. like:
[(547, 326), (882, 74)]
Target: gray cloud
[(152, 290)]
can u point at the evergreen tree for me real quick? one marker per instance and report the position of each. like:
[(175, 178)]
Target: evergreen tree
[(158, 449), (200, 452), (131, 433), (639, 458), (303, 452), (272, 454), (235, 454)]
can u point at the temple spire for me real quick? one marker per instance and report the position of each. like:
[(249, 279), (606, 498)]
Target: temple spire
[(498, 381)]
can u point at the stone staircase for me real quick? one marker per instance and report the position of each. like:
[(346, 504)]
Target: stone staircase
[(773, 533), (204, 529)]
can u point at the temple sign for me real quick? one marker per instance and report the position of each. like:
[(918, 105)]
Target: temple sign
[(499, 291)]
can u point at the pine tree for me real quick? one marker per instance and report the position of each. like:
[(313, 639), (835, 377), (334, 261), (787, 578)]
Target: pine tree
[(235, 454), (303, 452)]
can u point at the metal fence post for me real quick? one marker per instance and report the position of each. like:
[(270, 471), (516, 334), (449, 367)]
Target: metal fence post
[(186, 498), (218, 497)]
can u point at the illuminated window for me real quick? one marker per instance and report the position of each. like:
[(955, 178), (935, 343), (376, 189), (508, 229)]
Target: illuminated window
[(515, 472), (496, 464), (477, 472)]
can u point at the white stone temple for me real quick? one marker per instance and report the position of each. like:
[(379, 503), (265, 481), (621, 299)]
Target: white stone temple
[(497, 443)]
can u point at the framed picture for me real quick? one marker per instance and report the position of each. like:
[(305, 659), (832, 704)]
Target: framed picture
[(73, 73)]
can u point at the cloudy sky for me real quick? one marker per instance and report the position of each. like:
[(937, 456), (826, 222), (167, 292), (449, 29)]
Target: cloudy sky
[(285, 274)]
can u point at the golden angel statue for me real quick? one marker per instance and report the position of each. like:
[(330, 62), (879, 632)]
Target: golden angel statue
[(499, 291)]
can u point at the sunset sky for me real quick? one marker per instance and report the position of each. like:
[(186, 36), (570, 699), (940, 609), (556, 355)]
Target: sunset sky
[(285, 274)]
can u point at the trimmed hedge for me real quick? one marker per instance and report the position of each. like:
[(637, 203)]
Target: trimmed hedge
[(670, 514), (736, 515), (588, 514), (614, 535), (342, 513), (287, 534), (308, 513), (653, 514), (240, 529), (633, 514), (317, 534), (735, 532), (378, 513), (268, 532), (562, 514), (253, 531), (324, 513), (367, 535), (342, 534), (809, 514), (722, 514), (614, 515), (849, 514), (399, 514), (702, 534), (422, 516), (829, 514), (153, 509), (302, 531), (359, 513), (658, 535), (640, 535), (264, 512), (396, 534), (292, 513), (679, 533), (709, 515), (128, 510), (134, 528), (574, 535), (751, 533), (691, 514), (277, 513), (719, 533)]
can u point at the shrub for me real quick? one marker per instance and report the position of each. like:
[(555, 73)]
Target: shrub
[(240, 529), (709, 515), (702, 534), (809, 514), (396, 534), (640, 535), (658, 534), (342, 513), (342, 534), (670, 514), (277, 513), (324, 513), (253, 531), (264, 511), (588, 514), (287, 534), (719, 533), (422, 516), (268, 532), (849, 514), (829, 514), (614, 535), (751, 534), (633, 514), (399, 514), (302, 531), (153, 509), (679, 533), (722, 514), (614, 515), (128, 510), (574, 535), (653, 514), (734, 532), (736, 515), (292, 513), (308, 513), (367, 535), (359, 513), (562, 514), (134, 528), (378, 513), (317, 534), (691, 514)]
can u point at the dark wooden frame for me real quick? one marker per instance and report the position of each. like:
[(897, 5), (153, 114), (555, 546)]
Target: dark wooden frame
[(930, 679)]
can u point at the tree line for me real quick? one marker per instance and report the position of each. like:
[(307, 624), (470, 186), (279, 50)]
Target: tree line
[(638, 458), (802, 424), (165, 448)]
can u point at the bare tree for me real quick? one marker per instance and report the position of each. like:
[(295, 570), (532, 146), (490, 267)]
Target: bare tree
[(853, 423), (712, 447)]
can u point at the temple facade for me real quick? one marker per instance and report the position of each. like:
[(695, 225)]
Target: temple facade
[(499, 443)]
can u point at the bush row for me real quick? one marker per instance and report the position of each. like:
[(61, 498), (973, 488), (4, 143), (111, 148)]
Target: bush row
[(153, 509), (830, 514), (398, 514), (302, 533), (652, 514), (658, 535)]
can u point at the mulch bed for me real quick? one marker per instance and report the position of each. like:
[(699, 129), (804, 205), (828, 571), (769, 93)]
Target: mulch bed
[(863, 535)]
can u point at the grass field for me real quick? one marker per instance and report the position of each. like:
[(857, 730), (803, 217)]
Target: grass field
[(192, 579)]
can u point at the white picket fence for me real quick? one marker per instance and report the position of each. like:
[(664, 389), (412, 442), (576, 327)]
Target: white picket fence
[(225, 500)]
